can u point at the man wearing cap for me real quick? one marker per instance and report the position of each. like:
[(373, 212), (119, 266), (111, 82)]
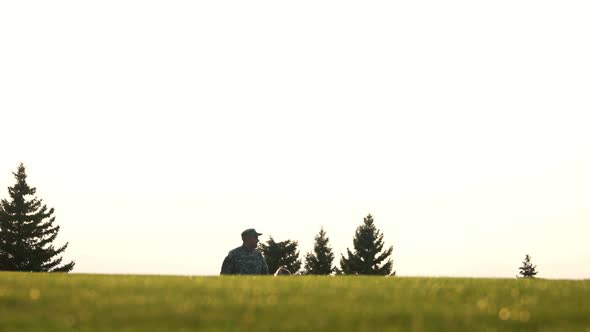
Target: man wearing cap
[(245, 259)]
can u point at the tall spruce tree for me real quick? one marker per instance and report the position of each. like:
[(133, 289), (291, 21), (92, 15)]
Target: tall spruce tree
[(527, 270), (283, 253), (27, 231), (320, 260), (368, 257)]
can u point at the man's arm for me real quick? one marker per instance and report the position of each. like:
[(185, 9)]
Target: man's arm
[(228, 265), (264, 265)]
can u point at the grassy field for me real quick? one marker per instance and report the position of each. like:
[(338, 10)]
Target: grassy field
[(59, 302)]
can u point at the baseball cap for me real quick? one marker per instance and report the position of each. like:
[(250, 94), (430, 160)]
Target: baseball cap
[(250, 232)]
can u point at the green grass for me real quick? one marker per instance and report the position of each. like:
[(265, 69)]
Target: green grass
[(61, 302)]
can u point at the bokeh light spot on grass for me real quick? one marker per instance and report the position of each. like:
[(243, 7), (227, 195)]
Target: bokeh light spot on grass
[(34, 294), (482, 304), (504, 314)]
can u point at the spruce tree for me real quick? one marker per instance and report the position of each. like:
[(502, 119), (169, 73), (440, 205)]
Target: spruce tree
[(320, 260), (368, 257), (527, 270), (283, 253), (27, 231)]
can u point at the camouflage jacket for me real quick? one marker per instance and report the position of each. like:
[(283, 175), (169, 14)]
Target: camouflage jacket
[(244, 261)]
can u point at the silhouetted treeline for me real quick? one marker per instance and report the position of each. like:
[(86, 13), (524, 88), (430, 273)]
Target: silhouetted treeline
[(368, 256), (28, 232)]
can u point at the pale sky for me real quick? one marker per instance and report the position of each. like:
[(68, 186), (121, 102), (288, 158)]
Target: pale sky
[(159, 130)]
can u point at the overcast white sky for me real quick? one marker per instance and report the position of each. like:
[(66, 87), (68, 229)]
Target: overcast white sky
[(159, 130)]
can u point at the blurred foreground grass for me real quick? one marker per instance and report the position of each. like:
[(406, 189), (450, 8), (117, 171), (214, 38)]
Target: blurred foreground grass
[(61, 302)]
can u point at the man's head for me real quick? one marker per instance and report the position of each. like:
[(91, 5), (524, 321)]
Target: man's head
[(250, 238)]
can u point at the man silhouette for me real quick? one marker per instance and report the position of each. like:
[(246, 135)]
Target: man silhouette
[(245, 259)]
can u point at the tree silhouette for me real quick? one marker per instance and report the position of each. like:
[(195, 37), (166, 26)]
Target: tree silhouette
[(527, 270), (368, 257), (27, 231), (278, 254), (320, 260)]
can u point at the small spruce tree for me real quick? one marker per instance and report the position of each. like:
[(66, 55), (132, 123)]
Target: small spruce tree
[(283, 253), (320, 260), (27, 231), (368, 257), (527, 270)]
